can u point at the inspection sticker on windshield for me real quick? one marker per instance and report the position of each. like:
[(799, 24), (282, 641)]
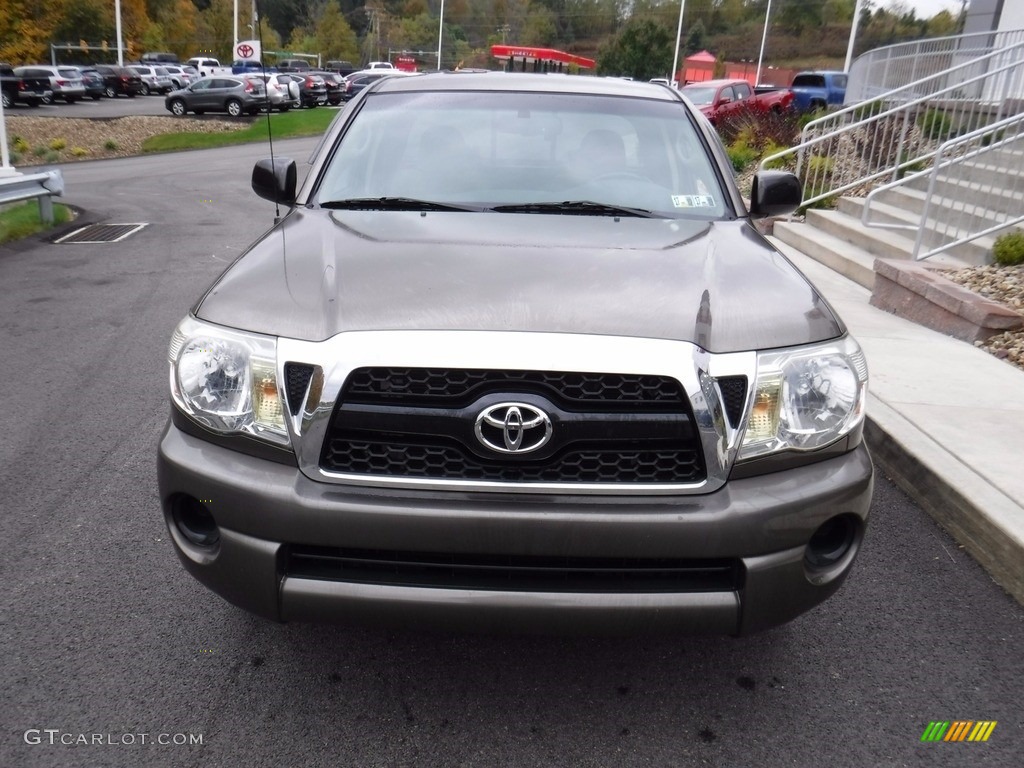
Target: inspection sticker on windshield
[(693, 201)]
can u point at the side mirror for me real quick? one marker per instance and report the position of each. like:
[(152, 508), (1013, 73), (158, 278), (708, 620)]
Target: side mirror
[(774, 193), (274, 180), (724, 100)]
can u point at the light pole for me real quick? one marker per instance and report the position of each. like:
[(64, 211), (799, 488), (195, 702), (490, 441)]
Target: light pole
[(853, 35), (679, 35), (440, 31), (117, 14), (764, 37)]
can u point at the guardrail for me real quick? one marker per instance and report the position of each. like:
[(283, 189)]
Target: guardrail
[(983, 167), (42, 186)]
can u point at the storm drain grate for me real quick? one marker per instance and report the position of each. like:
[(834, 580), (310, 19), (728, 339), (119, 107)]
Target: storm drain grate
[(101, 233)]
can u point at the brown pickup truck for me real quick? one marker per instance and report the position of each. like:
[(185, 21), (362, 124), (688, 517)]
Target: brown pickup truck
[(22, 90), (720, 99)]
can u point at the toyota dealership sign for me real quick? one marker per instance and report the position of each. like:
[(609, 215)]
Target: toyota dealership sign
[(247, 50)]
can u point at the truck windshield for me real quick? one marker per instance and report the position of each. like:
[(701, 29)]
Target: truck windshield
[(485, 150), (698, 95)]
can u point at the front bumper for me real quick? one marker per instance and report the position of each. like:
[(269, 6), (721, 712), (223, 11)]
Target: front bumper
[(263, 508)]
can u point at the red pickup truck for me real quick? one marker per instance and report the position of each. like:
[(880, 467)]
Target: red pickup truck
[(719, 99)]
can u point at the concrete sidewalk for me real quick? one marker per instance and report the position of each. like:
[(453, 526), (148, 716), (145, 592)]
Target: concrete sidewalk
[(945, 422)]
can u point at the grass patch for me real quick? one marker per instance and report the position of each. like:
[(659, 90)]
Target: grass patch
[(306, 122), (22, 220)]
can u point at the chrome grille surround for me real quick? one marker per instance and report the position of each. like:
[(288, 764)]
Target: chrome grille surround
[(695, 369)]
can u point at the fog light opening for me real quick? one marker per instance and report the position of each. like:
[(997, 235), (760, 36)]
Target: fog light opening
[(195, 522), (831, 542)]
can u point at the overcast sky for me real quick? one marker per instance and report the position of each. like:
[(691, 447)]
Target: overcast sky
[(924, 9)]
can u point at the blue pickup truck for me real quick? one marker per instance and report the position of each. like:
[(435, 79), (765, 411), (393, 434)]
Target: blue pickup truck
[(818, 90)]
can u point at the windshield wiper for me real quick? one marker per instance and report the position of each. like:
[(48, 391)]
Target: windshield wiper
[(394, 204), (578, 207)]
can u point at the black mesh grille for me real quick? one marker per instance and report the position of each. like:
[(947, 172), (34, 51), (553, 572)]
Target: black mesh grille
[(451, 462), (516, 573), (734, 396), (606, 428), (451, 387), (297, 377)]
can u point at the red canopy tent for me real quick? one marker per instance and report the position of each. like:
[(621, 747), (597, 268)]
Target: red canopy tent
[(541, 59)]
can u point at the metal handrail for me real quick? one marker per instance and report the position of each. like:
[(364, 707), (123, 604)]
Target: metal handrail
[(901, 62), (950, 156), (891, 143)]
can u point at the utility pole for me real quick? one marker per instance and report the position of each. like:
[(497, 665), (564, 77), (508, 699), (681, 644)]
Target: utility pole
[(504, 29)]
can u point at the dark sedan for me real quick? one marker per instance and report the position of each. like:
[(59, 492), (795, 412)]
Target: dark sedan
[(335, 84), (119, 81), (235, 95), (312, 89), (95, 88), (355, 82)]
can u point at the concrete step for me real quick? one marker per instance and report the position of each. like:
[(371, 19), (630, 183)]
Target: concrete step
[(943, 209), (988, 171), (1009, 155), (1007, 201), (938, 231), (885, 244), (836, 254)]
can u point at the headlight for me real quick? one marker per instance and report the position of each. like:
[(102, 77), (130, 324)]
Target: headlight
[(805, 398), (227, 380)]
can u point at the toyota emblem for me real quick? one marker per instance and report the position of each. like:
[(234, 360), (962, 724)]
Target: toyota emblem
[(245, 51), (513, 428)]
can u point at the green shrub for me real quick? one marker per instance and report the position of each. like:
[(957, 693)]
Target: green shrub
[(52, 157), (39, 151), (771, 148), (935, 125), (741, 155), (79, 151), (19, 144), (870, 109), (820, 166), (110, 145), (806, 117), (58, 144), (1009, 249), (910, 169)]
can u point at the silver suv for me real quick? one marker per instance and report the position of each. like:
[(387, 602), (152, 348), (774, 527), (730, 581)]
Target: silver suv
[(517, 359), (155, 79), (234, 95)]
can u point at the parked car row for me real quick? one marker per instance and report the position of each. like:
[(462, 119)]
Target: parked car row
[(248, 93), (69, 83)]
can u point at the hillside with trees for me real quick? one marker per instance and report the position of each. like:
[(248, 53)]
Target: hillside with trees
[(627, 37)]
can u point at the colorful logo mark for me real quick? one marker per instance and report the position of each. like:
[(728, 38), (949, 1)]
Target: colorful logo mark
[(959, 730)]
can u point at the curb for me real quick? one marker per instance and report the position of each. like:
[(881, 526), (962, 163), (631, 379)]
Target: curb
[(988, 523)]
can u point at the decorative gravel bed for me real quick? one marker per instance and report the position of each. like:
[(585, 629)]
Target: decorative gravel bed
[(1005, 285), (52, 140)]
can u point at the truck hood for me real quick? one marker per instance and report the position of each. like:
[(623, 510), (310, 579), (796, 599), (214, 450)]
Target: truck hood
[(717, 284)]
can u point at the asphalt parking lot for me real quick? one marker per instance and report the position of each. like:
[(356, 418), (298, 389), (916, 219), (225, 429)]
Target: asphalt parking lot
[(105, 634), (122, 106)]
